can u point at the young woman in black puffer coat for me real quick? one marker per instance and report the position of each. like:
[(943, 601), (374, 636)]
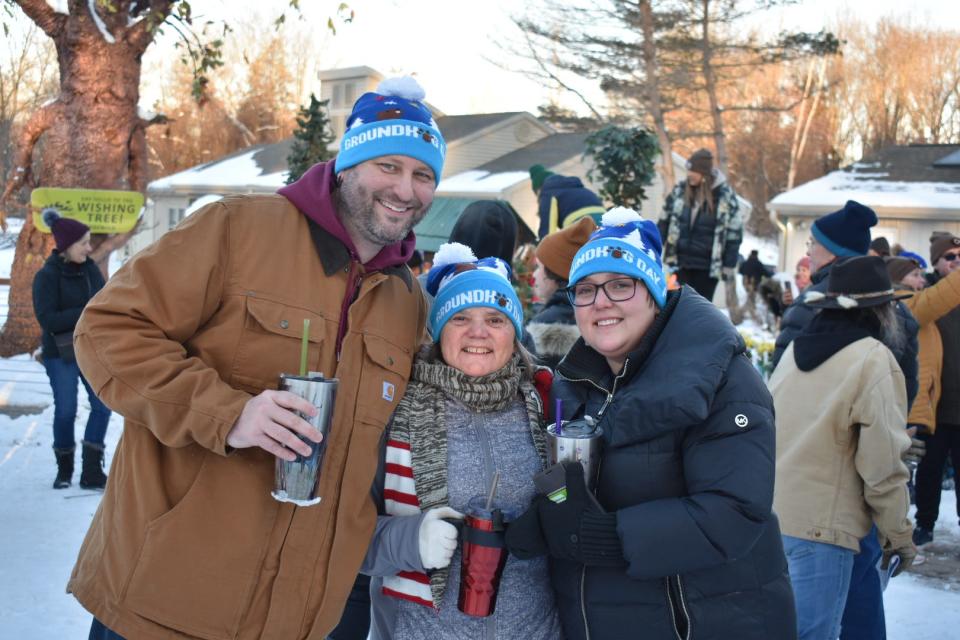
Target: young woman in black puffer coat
[(61, 289), (680, 540)]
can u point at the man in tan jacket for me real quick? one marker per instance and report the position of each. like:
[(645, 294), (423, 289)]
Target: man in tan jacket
[(188, 340)]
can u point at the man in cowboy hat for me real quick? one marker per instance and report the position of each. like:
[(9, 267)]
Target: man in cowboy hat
[(846, 234), (845, 449)]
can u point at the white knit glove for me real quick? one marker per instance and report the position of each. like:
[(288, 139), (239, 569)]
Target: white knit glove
[(438, 539)]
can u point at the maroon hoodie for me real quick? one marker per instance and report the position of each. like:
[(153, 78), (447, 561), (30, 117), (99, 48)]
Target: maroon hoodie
[(312, 194)]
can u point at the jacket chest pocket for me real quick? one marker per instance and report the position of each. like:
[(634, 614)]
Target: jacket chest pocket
[(270, 344), (383, 379)]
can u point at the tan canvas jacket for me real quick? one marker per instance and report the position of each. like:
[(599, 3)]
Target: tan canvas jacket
[(188, 541), (840, 436), (929, 305)]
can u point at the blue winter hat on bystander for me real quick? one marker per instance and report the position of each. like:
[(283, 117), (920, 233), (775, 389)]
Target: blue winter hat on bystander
[(625, 243), (845, 233), (458, 281), (393, 120)]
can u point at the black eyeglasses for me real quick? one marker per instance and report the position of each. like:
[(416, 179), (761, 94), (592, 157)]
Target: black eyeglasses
[(584, 294), (950, 257)]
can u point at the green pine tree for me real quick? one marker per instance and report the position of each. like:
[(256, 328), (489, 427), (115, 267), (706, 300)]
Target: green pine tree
[(312, 137)]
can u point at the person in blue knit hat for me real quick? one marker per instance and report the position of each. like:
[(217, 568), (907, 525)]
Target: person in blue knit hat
[(168, 344), (835, 237), (469, 414), (683, 498)]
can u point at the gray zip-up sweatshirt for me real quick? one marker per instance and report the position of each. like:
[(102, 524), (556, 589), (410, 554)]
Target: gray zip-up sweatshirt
[(478, 444)]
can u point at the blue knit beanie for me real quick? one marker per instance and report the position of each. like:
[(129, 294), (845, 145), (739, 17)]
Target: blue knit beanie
[(458, 281), (393, 120), (846, 232), (625, 243)]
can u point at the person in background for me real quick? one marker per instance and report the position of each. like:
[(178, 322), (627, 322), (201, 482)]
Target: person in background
[(679, 539), (843, 234), (843, 450), (554, 328), (944, 441), (562, 200), (928, 305), (702, 227), (801, 275), (188, 341), (489, 228), (416, 263), (61, 289), (879, 246), (469, 412)]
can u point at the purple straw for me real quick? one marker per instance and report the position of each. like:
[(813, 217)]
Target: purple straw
[(558, 414)]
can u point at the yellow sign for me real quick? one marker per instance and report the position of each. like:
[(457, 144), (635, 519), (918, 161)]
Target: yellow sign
[(101, 210)]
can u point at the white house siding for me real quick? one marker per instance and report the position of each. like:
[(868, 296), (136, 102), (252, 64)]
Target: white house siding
[(475, 151)]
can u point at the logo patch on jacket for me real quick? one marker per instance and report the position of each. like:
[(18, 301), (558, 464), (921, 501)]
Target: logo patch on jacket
[(388, 391)]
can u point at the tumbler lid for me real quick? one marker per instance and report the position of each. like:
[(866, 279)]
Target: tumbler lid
[(585, 427)]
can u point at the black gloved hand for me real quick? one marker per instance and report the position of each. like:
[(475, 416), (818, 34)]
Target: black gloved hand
[(577, 529)]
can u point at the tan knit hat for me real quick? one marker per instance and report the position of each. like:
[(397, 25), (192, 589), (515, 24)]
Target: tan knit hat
[(940, 243), (556, 250)]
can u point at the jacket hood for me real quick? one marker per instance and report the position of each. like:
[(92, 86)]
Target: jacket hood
[(828, 333), (313, 195), (562, 182)]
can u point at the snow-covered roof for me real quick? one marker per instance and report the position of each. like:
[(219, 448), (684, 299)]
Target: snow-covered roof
[(258, 169), (907, 180), (477, 181)]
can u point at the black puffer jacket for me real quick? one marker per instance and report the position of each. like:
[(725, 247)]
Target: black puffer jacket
[(554, 330), (60, 292), (798, 316), (688, 467)]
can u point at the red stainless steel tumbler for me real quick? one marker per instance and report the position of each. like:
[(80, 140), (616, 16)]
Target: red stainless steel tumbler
[(483, 555)]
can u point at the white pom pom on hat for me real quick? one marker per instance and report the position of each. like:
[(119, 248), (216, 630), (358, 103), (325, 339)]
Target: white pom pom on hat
[(453, 253), (403, 87), (620, 215)]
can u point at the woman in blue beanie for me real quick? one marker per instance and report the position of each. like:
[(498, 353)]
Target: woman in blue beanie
[(470, 413), (679, 540)]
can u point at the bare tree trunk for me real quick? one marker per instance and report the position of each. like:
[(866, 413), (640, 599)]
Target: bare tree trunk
[(710, 85), (654, 99), (92, 135)]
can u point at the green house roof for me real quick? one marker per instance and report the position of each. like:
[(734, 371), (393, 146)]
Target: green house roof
[(435, 229)]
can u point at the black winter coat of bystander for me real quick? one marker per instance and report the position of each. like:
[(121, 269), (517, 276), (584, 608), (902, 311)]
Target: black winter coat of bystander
[(61, 290)]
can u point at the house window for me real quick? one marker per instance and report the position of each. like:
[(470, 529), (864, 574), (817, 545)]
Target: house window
[(337, 96), (174, 216), (350, 91)]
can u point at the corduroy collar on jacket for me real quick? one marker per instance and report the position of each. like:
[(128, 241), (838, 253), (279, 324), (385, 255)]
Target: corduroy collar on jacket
[(334, 256)]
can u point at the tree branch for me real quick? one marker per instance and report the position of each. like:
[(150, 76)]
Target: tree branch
[(141, 34), (44, 16), (38, 123)]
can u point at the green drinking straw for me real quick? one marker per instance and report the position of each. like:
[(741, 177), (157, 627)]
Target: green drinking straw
[(304, 342)]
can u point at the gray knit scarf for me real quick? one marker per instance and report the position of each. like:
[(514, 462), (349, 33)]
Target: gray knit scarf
[(420, 421)]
